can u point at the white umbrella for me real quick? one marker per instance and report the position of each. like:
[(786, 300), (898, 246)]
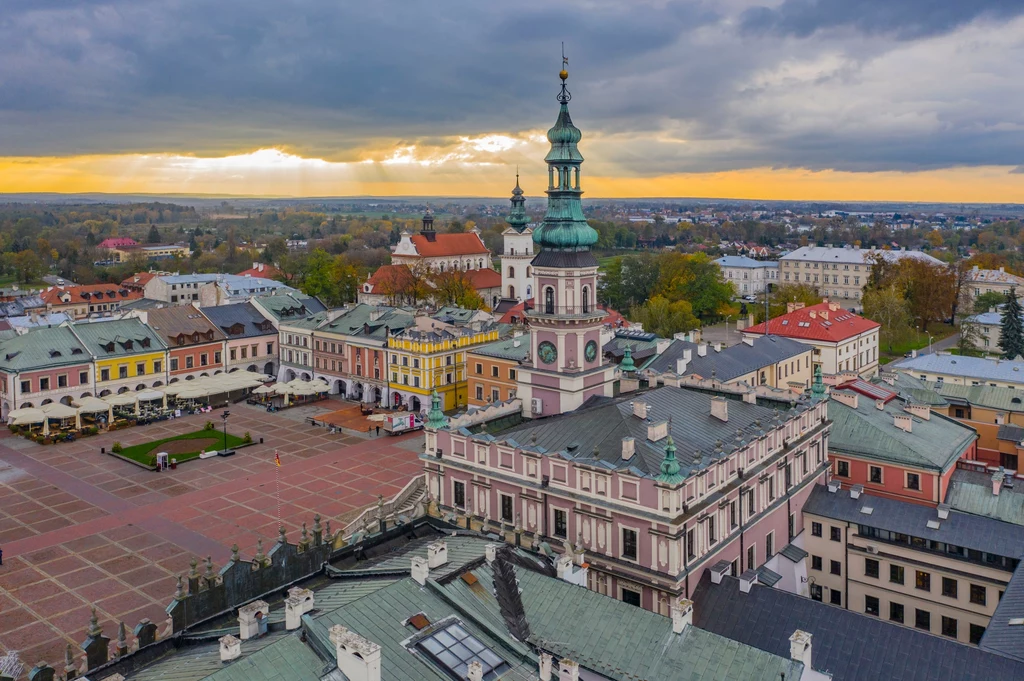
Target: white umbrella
[(21, 417), (56, 410), (264, 390), (305, 390), (320, 384), (150, 395), (91, 405), (284, 389), (122, 400), (193, 393)]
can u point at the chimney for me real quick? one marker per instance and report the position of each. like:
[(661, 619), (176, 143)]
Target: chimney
[(702, 349), (974, 269), (1002, 269), (420, 570), (720, 408), (718, 570), (856, 491), (800, 648), (919, 410), (879, 405), (682, 614), (747, 580), (475, 671), (568, 670), (750, 397), (943, 510), (903, 421), (640, 409), (298, 603), (544, 667), (849, 399), (358, 658), (681, 365), (834, 486), (793, 307), (657, 431), (824, 313), (718, 347), (230, 648), (814, 314), (249, 617), (437, 553), (748, 340), (490, 552), (628, 448), (997, 481), (563, 567), (663, 344), (834, 307)]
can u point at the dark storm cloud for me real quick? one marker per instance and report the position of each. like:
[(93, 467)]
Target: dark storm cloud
[(658, 87), (903, 19)]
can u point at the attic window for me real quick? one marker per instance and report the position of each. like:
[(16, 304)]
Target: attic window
[(55, 353), (419, 622), (1015, 400), (128, 344), (195, 337), (145, 342), (109, 347), (76, 351)]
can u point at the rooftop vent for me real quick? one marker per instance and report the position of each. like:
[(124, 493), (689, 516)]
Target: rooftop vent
[(933, 524), (943, 510), (856, 491), (867, 510)]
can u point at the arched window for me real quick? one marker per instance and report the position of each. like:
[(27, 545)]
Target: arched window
[(528, 271), (549, 300), (529, 290), (586, 299), (442, 267), (511, 291), (480, 264)]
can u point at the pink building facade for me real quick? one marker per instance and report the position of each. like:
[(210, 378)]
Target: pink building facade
[(647, 536)]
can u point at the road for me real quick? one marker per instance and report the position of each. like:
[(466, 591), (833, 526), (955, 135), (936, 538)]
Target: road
[(944, 344)]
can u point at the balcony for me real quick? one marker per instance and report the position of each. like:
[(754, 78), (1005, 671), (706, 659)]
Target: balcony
[(574, 312)]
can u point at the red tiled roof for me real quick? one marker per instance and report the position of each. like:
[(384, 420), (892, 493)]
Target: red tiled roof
[(818, 322), (614, 318), (467, 243), (485, 278), (516, 312), (93, 293), (393, 277), (263, 271), (118, 242), (138, 280), (869, 390)]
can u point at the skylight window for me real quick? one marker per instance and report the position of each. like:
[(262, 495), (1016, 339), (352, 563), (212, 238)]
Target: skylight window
[(453, 648)]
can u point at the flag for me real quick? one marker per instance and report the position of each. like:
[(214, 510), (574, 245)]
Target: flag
[(277, 459)]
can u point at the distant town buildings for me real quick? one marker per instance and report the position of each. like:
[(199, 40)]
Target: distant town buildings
[(981, 281), (749, 276)]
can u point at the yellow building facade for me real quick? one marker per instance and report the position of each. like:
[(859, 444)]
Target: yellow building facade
[(421, 362)]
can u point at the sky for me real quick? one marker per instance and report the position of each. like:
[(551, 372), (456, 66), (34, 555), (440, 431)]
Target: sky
[(898, 100)]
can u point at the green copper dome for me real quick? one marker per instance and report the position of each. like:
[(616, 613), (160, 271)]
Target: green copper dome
[(818, 386), (669, 466), (517, 218), (435, 417), (627, 363), (564, 227)]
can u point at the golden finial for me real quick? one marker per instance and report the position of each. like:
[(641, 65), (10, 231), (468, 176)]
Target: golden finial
[(563, 74)]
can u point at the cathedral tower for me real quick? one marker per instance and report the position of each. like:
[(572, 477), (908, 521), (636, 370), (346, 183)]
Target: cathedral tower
[(566, 365), (517, 251)]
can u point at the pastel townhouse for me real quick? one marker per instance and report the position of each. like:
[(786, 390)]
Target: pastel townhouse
[(127, 355), (251, 339), (195, 344), (42, 366)]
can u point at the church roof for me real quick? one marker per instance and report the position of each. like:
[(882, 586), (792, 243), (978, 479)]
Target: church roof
[(444, 245)]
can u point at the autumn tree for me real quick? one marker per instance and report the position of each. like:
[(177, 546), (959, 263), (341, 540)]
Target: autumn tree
[(782, 295), (453, 288), (1011, 338), (28, 266), (889, 308), (665, 318), (696, 279), (970, 335)]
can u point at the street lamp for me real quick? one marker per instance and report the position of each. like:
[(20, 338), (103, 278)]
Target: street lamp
[(930, 344), (224, 418)]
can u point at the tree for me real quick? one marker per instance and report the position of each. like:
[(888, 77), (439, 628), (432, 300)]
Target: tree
[(696, 279), (783, 295), (987, 301), (28, 265), (889, 308), (454, 288), (970, 334), (1011, 340), (628, 281), (665, 318), (154, 235), (317, 280)]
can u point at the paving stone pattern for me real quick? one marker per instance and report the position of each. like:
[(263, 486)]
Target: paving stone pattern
[(79, 528)]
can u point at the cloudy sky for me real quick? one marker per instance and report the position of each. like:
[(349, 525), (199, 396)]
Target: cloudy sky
[(816, 99)]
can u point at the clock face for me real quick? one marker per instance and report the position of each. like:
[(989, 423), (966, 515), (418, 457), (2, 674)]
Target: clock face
[(590, 352), (547, 352)]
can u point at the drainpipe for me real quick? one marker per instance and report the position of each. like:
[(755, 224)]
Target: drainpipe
[(743, 527)]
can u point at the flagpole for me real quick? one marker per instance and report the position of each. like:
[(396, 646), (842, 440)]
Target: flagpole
[(277, 486)]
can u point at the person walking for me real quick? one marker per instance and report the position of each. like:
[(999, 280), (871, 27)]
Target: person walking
[(1, 556), (378, 430)]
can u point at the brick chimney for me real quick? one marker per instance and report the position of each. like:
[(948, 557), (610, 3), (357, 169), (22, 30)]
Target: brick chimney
[(639, 409), (849, 399), (919, 410), (903, 421), (628, 448), (747, 580), (420, 571), (544, 666), (437, 553), (249, 617), (720, 408), (230, 648), (682, 614), (475, 671), (800, 648), (997, 482), (568, 670), (490, 552), (299, 602), (358, 658), (793, 307)]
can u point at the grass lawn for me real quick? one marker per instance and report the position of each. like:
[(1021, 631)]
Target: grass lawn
[(918, 341), (203, 440), (6, 281)]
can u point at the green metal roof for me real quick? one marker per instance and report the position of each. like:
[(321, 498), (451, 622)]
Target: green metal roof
[(871, 432), (619, 640), (196, 662), (971, 492), (360, 321), (287, 659), (515, 349), (1005, 399), (96, 335), (41, 348)]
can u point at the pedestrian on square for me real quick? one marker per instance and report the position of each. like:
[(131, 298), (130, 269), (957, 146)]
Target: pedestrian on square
[(369, 431), (378, 430), (1, 556)]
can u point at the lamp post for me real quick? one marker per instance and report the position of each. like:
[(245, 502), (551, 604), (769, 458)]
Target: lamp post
[(224, 418), (929, 344)]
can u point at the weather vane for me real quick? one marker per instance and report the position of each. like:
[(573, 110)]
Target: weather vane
[(564, 95)]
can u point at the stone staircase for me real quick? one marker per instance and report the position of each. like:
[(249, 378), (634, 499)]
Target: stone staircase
[(409, 503)]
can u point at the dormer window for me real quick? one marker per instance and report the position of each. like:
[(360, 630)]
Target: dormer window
[(76, 351), (55, 353), (145, 342), (195, 337), (181, 339), (128, 344), (109, 347)]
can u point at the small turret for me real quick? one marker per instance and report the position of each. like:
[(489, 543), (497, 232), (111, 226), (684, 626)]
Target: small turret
[(627, 364), (517, 218), (435, 417), (670, 466), (428, 226), (818, 386)]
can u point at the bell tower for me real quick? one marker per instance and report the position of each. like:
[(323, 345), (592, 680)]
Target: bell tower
[(517, 251), (566, 365)]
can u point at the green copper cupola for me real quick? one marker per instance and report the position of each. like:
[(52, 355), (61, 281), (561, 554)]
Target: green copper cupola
[(670, 466), (627, 363), (435, 417), (564, 226), (517, 218)]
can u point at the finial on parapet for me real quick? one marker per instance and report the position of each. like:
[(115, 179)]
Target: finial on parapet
[(234, 553)]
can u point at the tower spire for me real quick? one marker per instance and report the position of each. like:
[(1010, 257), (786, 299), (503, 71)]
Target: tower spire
[(517, 218), (670, 466)]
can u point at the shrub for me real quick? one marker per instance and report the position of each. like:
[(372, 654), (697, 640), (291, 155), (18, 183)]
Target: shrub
[(209, 426), (247, 438), (116, 448)]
